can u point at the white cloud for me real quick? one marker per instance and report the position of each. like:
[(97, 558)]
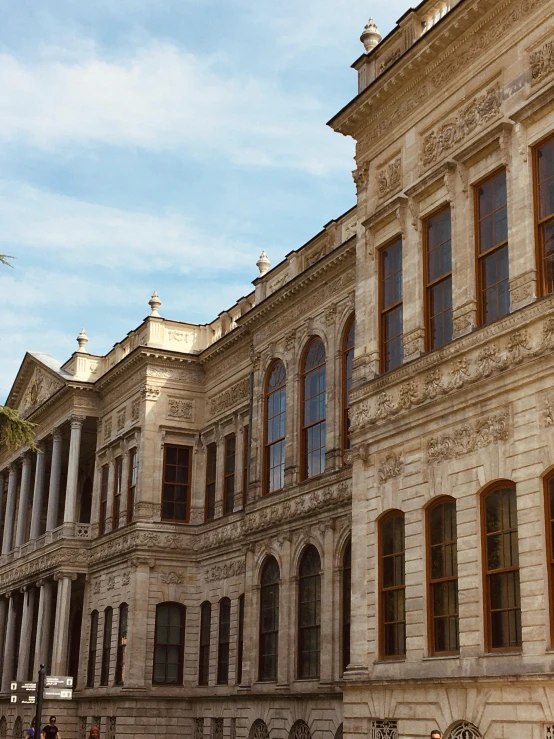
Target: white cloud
[(162, 98)]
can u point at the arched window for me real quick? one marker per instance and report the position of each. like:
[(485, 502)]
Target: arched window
[(392, 595), (346, 604), (501, 567), (442, 566), (240, 639), (269, 620), (549, 504), (347, 360), (92, 645), (106, 646), (224, 638), (275, 414), (313, 410), (309, 613), (169, 644), (121, 644), (204, 652)]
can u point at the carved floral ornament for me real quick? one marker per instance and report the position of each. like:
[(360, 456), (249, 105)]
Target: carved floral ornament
[(456, 375), (224, 572), (542, 62), (389, 178), (235, 394), (179, 408), (468, 438), (391, 466)]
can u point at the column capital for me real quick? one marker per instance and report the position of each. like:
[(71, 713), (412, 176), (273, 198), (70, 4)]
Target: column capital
[(77, 421), (57, 434), (26, 458), (40, 447), (63, 575)]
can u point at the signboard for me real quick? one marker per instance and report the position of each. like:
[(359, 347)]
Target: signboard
[(24, 687), (64, 694), (24, 698), (58, 681)]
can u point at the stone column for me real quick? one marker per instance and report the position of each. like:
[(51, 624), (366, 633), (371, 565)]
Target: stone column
[(23, 500), (10, 510), (9, 647), (286, 617), (73, 470), (38, 495), (3, 620), (3, 480), (44, 621), (328, 625), (136, 667), (26, 633), (61, 626), (250, 635), (54, 486)]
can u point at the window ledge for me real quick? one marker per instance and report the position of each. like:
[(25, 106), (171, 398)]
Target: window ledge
[(434, 657)]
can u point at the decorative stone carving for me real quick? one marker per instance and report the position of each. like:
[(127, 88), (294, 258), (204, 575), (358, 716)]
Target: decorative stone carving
[(278, 282), (198, 728), (389, 179), (228, 398), (548, 412), (361, 176), (111, 732), (330, 315), (468, 438), (111, 582), (542, 62), (464, 730), (391, 466), (179, 408), (96, 586), (126, 577), (522, 288), (41, 386), (107, 429), (193, 375), (150, 393), (217, 728), (223, 572), (390, 59), (121, 419), (135, 409), (171, 578), (381, 729), (474, 115), (258, 730), (300, 730), (182, 337)]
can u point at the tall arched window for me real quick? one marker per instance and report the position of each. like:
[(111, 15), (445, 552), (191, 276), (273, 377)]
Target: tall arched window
[(347, 360), (392, 586), (346, 604), (169, 644), (313, 410), (442, 566), (275, 414), (223, 640), (121, 644), (269, 620), (501, 567), (204, 652), (92, 645), (240, 639), (549, 504), (106, 646), (309, 613)]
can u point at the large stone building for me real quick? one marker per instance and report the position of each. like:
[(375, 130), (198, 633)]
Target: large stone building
[(183, 538)]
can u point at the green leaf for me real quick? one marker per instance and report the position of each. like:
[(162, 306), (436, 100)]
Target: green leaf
[(14, 431)]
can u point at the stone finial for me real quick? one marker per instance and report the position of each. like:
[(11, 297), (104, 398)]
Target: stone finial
[(82, 340), (263, 263), (370, 36), (154, 304)]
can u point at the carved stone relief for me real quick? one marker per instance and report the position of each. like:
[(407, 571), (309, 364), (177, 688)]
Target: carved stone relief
[(389, 178), (542, 62), (172, 578), (223, 572), (228, 398), (41, 386), (468, 438), (391, 466), (179, 408), (361, 177)]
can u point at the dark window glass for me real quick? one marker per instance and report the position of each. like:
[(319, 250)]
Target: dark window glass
[(229, 473), (132, 484), (502, 569), (106, 646), (443, 578), (346, 605), (223, 641), (313, 412), (176, 483), (439, 279), (392, 352), (121, 644), (240, 639), (269, 620), (116, 508), (245, 455), (348, 359), (169, 644), (309, 613), (103, 499), (204, 657), (392, 602), (211, 474), (545, 191), (275, 404), (92, 647), (492, 238)]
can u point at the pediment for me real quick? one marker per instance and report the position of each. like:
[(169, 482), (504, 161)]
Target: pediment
[(34, 384)]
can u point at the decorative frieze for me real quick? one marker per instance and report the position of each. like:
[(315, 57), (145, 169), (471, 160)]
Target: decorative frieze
[(477, 113), (179, 408), (391, 466), (542, 62), (225, 571), (187, 374), (468, 438), (181, 337), (389, 178), (172, 578), (228, 398)]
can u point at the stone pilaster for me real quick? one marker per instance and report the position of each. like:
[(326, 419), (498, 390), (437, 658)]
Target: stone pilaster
[(328, 612), (70, 511), (285, 616), (54, 484)]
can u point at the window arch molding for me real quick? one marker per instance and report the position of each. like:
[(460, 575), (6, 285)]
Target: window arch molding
[(299, 550), (312, 372), (462, 730), (261, 562), (274, 424), (308, 616)]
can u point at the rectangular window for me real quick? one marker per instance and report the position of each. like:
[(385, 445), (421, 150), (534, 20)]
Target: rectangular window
[(204, 652), (492, 249), (245, 450), (240, 639), (393, 598), (211, 474), (116, 508), (224, 640), (121, 645), (103, 499), (544, 208), (443, 578), (176, 483), (106, 646), (229, 473), (92, 645), (392, 351), (438, 279), (169, 644), (132, 484)]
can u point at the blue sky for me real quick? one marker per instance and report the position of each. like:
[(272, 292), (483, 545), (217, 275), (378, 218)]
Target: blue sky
[(161, 145)]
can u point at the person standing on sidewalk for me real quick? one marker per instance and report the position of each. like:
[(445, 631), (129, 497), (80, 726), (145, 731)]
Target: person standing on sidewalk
[(50, 731)]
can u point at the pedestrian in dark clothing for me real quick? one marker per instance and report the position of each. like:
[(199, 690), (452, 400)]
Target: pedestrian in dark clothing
[(50, 731)]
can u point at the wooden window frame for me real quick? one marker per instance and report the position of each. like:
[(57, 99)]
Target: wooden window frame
[(103, 512), (117, 483), (123, 627), (205, 644), (442, 500), (181, 609), (245, 459), (477, 239), (304, 428), (427, 285), (187, 485), (240, 639), (382, 590), (300, 667), (211, 482), (267, 446), (132, 484), (499, 485), (223, 641), (539, 252), (229, 478), (92, 649), (345, 405), (383, 311), (262, 677), (106, 647), (346, 607)]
